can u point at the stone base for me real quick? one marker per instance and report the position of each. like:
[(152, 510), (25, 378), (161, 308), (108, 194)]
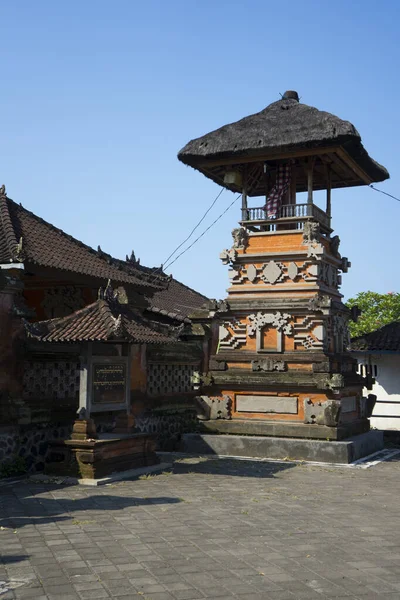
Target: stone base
[(341, 452), (94, 459), (285, 429)]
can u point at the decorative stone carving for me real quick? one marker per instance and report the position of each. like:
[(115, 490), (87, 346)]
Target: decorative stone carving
[(322, 413), (19, 252), (232, 334), (201, 380), (319, 302), (119, 329), (335, 382), (272, 272), (335, 243), (310, 333), (209, 408), (340, 331), (228, 256), (222, 306), (293, 270), (217, 365), (328, 274), (345, 265), (240, 237), (251, 273), (216, 306), (268, 365), (310, 232), (277, 320)]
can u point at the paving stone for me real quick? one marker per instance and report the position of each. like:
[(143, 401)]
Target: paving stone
[(314, 532)]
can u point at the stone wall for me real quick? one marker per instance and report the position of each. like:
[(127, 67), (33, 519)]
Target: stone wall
[(28, 446), (168, 427)]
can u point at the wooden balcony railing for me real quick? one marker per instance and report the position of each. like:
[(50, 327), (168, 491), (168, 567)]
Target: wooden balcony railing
[(294, 213)]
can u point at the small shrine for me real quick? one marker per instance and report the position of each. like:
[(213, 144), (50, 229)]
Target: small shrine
[(279, 367)]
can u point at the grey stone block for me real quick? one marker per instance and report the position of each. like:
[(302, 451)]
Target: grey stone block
[(266, 404), (342, 452)]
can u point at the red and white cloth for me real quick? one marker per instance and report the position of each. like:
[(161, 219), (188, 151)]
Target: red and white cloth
[(280, 188)]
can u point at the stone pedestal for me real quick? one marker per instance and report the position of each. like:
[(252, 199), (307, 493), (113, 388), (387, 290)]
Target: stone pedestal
[(97, 458), (341, 452), (84, 429)]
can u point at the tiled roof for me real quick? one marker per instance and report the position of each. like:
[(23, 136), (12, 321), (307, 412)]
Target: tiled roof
[(105, 319), (26, 237), (385, 339), (178, 300)]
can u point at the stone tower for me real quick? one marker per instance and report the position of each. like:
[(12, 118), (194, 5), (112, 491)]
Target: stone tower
[(280, 365)]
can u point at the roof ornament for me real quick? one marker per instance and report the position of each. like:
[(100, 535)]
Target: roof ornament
[(132, 259), (3, 190), (19, 254), (118, 326), (108, 293)]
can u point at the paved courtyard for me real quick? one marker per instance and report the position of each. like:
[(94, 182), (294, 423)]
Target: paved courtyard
[(210, 529)]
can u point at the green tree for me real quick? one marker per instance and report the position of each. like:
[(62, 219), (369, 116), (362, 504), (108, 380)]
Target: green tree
[(377, 310)]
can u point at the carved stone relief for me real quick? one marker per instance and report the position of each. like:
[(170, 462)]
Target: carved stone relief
[(251, 273), (322, 413), (232, 334), (209, 408), (228, 256), (335, 382), (311, 232), (240, 238), (272, 272), (293, 270), (335, 243), (340, 332), (320, 302), (309, 333), (268, 365), (277, 320)]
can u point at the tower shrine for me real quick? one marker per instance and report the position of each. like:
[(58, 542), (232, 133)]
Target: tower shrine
[(279, 365)]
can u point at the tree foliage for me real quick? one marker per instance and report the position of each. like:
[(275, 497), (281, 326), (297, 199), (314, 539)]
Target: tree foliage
[(377, 310)]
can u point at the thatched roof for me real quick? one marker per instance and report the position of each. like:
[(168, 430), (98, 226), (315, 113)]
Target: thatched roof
[(284, 128)]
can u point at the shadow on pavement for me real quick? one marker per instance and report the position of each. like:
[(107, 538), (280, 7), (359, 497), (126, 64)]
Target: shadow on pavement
[(13, 558), (23, 508), (230, 466)]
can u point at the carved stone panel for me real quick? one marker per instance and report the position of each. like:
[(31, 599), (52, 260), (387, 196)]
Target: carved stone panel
[(272, 272), (232, 334), (266, 404), (251, 273)]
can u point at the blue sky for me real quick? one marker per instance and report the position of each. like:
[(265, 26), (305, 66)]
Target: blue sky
[(98, 97)]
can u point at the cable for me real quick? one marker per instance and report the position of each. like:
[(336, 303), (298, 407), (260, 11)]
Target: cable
[(190, 234), (382, 192), (204, 232), (195, 227)]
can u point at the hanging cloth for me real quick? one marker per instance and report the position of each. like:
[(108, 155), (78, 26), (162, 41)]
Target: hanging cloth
[(280, 188)]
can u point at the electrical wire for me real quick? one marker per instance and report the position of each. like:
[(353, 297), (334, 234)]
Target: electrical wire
[(382, 192), (168, 264), (195, 227), (190, 234), (204, 232)]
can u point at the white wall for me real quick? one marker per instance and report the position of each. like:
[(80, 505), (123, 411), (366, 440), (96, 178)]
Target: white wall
[(386, 414)]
